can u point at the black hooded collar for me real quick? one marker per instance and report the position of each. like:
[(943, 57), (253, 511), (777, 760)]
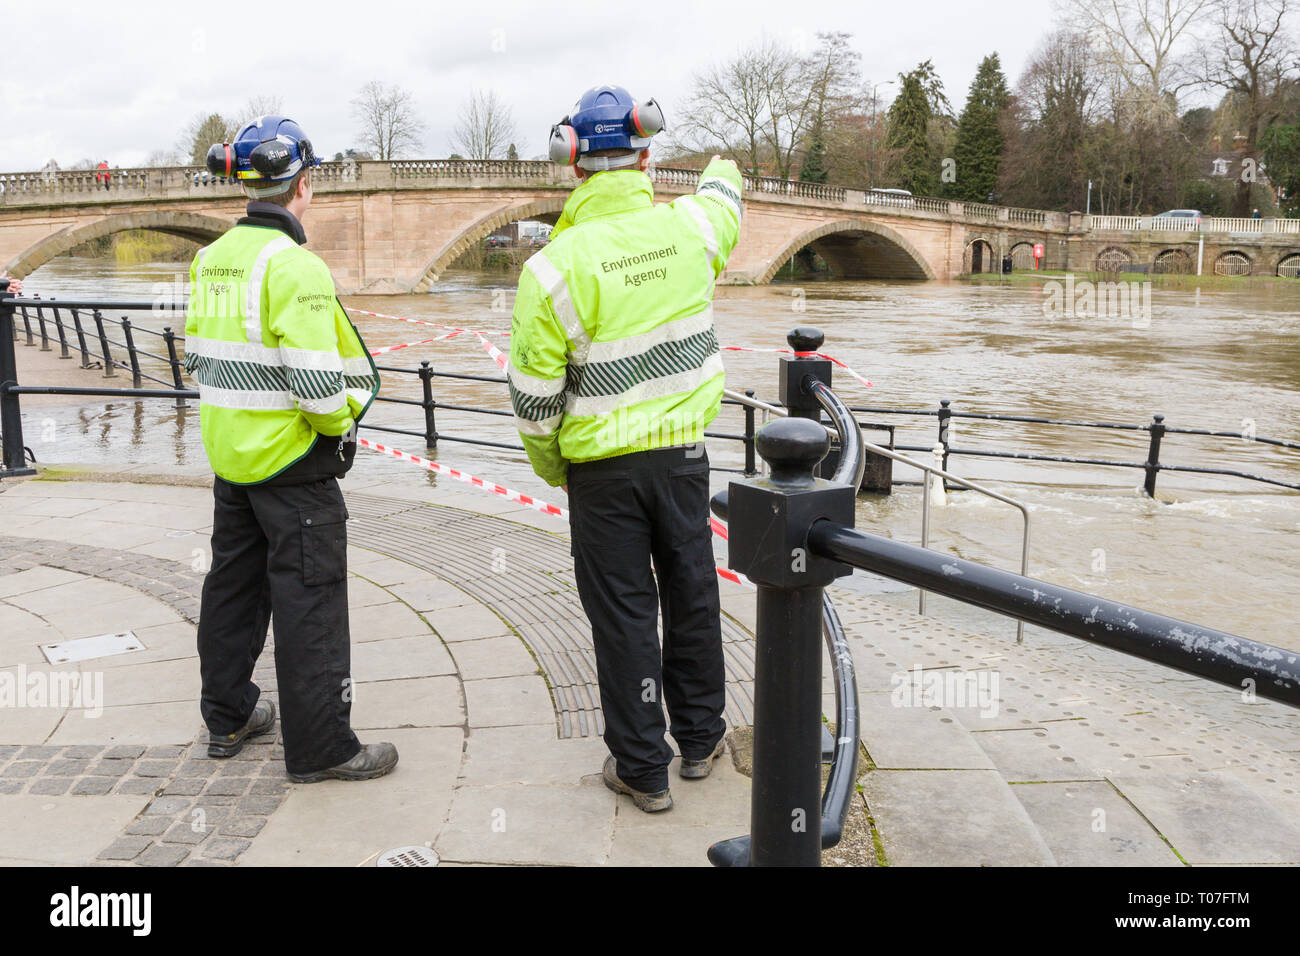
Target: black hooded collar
[(275, 217)]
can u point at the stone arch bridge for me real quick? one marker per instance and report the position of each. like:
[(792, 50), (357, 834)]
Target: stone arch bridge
[(395, 227)]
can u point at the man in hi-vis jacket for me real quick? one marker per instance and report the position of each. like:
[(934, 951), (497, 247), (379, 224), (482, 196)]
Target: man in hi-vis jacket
[(615, 372), (283, 379)]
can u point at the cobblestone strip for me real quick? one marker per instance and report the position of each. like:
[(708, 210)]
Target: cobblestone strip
[(170, 582), (204, 811)]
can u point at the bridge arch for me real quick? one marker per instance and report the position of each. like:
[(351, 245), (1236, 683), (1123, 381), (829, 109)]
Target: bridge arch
[(1233, 262), (187, 225), (1288, 267), (856, 248), (979, 257), (548, 207), (1114, 259), (1172, 262), (1022, 256)]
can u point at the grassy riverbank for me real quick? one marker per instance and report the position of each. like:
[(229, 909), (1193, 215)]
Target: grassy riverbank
[(136, 246)]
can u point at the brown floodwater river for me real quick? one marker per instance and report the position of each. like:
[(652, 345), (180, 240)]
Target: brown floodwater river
[(1215, 550)]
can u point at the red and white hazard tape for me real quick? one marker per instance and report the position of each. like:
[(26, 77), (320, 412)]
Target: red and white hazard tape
[(406, 345), (488, 486), (510, 494), (822, 355), (436, 325)]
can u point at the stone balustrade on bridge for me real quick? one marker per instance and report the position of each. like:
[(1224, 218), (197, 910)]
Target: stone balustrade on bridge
[(396, 226)]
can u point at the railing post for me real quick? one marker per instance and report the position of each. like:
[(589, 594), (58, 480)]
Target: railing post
[(769, 520), (131, 355), (40, 320), (63, 338), (430, 422), (11, 419), (81, 338), (945, 417), (751, 468), (27, 327), (1152, 466), (103, 344), (170, 338)]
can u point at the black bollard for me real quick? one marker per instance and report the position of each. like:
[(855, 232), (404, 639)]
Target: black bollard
[(769, 519)]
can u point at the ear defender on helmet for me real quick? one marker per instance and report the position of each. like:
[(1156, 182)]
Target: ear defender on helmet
[(221, 160), (271, 158), (646, 118), (564, 143)]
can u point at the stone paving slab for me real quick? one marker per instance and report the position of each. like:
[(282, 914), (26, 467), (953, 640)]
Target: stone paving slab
[(338, 823), (62, 830), (1090, 823), (952, 818), (552, 824), (1213, 818)]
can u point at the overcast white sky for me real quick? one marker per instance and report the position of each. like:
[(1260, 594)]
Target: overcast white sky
[(120, 79)]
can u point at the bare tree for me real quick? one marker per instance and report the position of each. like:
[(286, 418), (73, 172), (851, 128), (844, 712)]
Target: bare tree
[(389, 126), (1144, 43), (1252, 58), (162, 157), (755, 108), (263, 104), (485, 127)]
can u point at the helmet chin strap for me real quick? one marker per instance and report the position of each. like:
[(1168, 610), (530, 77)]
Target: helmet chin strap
[(598, 164)]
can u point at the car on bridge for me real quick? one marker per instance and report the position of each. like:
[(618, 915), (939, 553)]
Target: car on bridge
[(891, 197), (1178, 220)]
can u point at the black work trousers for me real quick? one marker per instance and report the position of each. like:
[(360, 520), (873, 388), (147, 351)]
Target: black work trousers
[(626, 513), (280, 552)]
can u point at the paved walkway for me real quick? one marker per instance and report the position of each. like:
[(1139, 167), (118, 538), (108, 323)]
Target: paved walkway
[(470, 653)]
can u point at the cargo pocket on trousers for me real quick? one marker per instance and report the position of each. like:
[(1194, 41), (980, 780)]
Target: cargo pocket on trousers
[(689, 487), (324, 545)]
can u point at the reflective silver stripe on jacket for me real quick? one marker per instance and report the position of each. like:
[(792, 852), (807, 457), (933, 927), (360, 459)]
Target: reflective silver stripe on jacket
[(253, 300)]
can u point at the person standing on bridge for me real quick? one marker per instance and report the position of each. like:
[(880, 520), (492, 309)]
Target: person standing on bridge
[(283, 379), (615, 372)]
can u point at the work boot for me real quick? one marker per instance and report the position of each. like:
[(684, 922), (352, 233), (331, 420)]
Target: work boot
[(259, 722), (649, 802), (372, 760), (699, 769)]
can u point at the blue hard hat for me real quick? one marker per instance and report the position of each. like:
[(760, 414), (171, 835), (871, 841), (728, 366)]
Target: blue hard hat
[(605, 117), (271, 149)]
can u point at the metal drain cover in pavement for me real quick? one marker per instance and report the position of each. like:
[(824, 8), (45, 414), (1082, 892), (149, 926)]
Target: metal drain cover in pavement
[(88, 648), (408, 856)]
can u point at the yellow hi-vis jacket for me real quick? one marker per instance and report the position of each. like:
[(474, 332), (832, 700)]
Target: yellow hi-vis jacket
[(612, 348), (277, 359)]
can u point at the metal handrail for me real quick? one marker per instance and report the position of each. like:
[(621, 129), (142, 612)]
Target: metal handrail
[(1228, 659), (928, 469)]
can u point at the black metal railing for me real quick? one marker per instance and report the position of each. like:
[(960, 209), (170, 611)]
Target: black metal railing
[(91, 329), (94, 329), (792, 513), (1157, 430)]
